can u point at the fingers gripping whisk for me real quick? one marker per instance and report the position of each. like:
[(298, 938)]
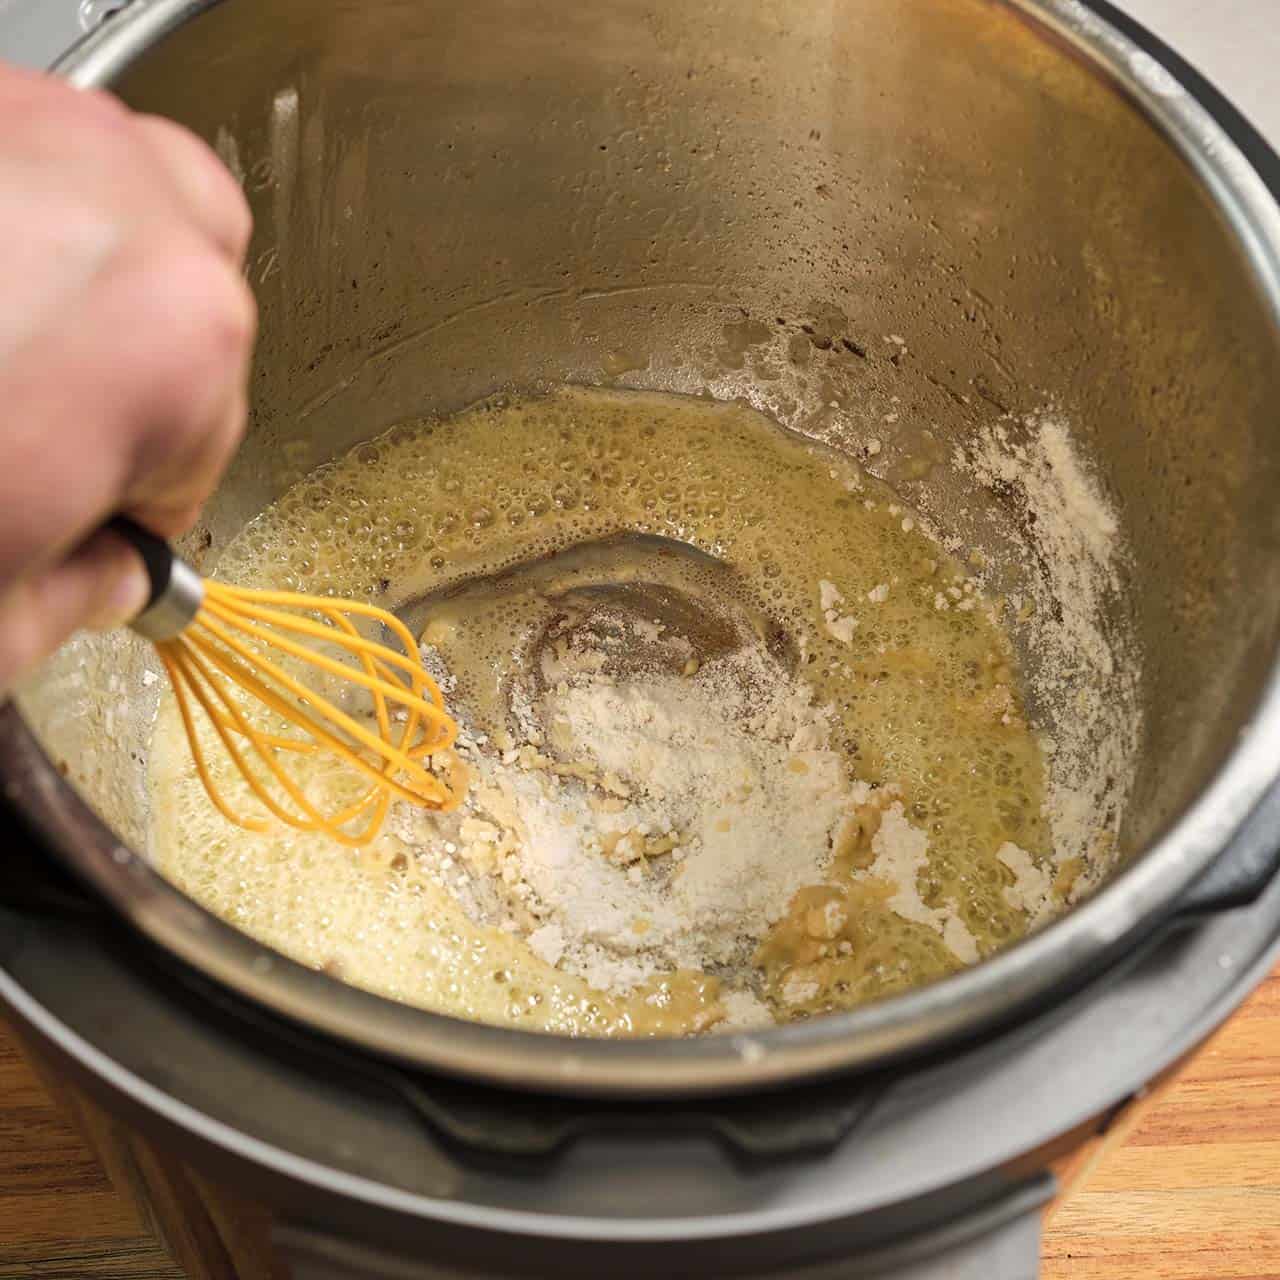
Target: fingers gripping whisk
[(271, 677)]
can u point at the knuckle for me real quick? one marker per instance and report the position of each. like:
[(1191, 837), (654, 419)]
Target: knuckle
[(231, 314), (242, 314), (177, 138), (217, 309), (96, 121), (228, 209), (103, 107), (234, 425), (239, 216), (88, 110), (207, 182), (194, 320)]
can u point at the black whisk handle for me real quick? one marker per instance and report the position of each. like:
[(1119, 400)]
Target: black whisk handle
[(177, 590), (155, 552)]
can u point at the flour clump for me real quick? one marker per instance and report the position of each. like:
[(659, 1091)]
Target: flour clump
[(671, 825)]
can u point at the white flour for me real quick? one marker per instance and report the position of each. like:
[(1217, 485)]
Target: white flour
[(707, 801), (840, 625), (1032, 890), (902, 852), (664, 822), (1083, 680)]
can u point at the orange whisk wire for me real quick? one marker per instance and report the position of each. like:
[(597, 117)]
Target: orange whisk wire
[(227, 645)]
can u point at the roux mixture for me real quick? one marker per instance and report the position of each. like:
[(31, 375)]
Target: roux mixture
[(746, 744)]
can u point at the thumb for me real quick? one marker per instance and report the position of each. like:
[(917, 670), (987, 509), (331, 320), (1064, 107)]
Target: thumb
[(102, 584)]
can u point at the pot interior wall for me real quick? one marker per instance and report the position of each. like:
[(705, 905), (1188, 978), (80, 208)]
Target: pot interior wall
[(743, 199)]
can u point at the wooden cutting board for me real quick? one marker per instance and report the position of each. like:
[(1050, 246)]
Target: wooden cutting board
[(1192, 1194)]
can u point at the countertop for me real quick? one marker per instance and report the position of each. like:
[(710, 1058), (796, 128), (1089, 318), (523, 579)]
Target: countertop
[(1235, 44)]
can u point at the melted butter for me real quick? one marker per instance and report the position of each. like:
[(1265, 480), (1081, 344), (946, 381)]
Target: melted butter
[(925, 694)]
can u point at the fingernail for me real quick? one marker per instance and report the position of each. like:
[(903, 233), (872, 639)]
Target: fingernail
[(125, 599)]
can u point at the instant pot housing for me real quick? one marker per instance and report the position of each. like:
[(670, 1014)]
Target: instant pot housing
[(1051, 208)]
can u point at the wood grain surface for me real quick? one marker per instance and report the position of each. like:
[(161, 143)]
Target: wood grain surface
[(1192, 1193)]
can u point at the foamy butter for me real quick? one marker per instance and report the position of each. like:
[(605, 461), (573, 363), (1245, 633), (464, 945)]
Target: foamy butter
[(866, 615)]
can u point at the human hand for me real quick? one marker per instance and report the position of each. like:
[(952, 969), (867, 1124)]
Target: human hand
[(126, 331)]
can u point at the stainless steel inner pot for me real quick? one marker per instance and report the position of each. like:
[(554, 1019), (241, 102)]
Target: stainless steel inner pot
[(456, 199)]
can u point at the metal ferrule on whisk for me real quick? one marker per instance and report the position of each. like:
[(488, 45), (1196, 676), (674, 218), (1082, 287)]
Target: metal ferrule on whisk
[(177, 590), (174, 608)]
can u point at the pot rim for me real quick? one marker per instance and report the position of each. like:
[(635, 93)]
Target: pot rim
[(911, 1024)]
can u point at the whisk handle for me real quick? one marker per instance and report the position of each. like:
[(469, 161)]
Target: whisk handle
[(177, 590), (155, 552)]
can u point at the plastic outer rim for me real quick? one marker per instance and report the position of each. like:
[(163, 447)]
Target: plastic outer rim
[(1006, 985)]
